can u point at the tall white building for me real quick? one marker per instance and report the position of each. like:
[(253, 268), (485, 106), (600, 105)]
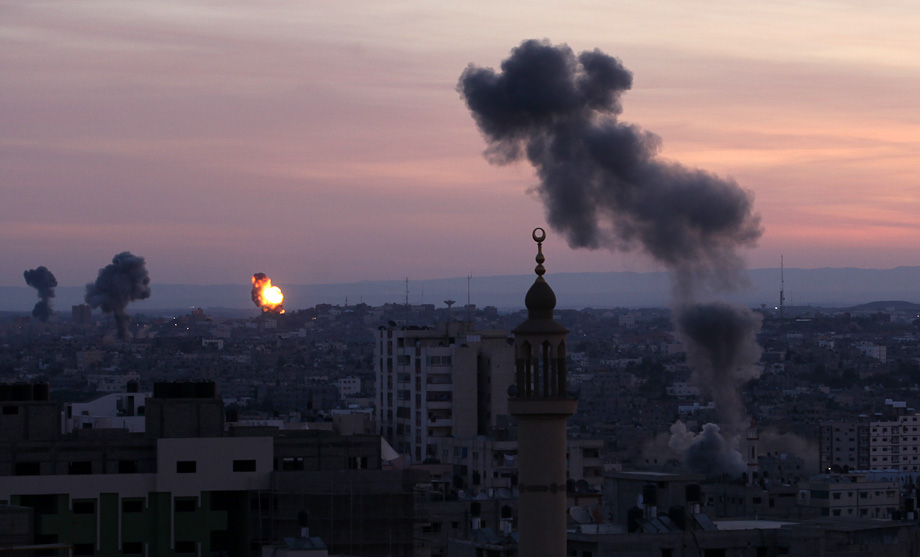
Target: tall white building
[(450, 380), (895, 445), (876, 445)]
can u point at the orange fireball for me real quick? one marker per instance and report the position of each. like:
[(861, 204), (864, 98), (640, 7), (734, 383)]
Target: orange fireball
[(265, 295)]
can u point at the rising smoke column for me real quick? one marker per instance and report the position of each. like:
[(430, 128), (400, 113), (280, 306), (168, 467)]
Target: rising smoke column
[(42, 280), (722, 350), (603, 186), (119, 283)]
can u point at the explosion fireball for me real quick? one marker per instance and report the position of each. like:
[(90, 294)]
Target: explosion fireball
[(266, 296)]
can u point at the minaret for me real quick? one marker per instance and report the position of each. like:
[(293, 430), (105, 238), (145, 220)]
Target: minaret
[(541, 405)]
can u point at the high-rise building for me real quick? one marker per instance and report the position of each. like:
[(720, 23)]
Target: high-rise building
[(871, 445), (895, 445), (844, 444), (81, 314), (450, 380)]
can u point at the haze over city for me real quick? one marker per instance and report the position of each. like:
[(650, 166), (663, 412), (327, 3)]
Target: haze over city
[(217, 208), (328, 143)]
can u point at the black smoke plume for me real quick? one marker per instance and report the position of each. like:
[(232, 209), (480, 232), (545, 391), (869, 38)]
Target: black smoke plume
[(600, 179), (604, 186), (42, 280), (121, 282)]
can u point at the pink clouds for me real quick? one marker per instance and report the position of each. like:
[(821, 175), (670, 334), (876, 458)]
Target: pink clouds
[(195, 133)]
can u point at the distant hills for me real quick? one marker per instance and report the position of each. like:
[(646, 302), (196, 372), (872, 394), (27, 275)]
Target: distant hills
[(828, 287)]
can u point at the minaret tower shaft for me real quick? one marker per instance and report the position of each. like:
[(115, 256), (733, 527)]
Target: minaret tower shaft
[(540, 403)]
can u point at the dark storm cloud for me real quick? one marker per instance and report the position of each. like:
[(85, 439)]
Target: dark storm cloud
[(42, 280), (119, 283)]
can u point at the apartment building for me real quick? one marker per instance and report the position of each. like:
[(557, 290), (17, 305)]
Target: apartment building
[(895, 445), (844, 444), (449, 380), (484, 465), (192, 484), (871, 445), (851, 496)]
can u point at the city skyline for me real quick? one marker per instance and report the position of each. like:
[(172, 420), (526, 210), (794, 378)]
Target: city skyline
[(327, 143)]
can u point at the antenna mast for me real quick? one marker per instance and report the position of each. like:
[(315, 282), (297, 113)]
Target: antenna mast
[(407, 301), (469, 308), (782, 287)]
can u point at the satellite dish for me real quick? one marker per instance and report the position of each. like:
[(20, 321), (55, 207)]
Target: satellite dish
[(503, 493), (582, 486), (580, 514)]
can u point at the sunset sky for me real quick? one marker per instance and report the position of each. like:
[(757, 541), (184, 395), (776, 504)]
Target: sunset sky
[(326, 141)]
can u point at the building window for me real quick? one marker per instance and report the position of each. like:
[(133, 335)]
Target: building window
[(84, 507), (43, 504), (127, 467), (10, 410), (132, 548), (84, 549), (290, 463), (27, 469), (186, 547), (244, 465), (185, 504), (132, 505), (186, 466), (80, 467)]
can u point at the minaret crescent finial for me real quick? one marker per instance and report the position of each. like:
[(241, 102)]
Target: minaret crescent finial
[(538, 236)]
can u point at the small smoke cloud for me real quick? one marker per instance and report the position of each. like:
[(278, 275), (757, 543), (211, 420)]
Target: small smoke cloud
[(119, 283), (722, 349), (42, 280), (601, 180), (708, 452)]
